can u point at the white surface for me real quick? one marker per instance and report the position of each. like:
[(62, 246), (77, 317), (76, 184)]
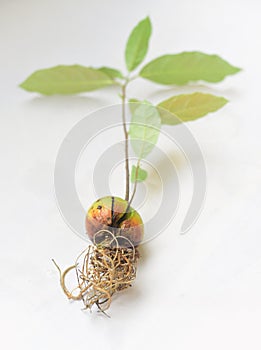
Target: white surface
[(199, 291)]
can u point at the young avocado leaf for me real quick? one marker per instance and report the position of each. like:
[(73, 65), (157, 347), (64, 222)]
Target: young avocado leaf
[(144, 129), (111, 72), (184, 108), (185, 67), (138, 174), (66, 80), (137, 44)]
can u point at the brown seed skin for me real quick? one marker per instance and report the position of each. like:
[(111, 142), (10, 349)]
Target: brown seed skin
[(109, 213)]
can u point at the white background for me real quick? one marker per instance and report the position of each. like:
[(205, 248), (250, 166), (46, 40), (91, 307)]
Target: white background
[(201, 290)]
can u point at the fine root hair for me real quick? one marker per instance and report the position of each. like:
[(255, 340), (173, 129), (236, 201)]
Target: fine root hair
[(101, 271)]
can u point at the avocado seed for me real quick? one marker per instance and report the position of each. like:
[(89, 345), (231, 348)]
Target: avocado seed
[(112, 218)]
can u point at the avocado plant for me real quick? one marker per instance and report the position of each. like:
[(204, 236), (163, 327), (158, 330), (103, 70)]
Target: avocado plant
[(114, 227)]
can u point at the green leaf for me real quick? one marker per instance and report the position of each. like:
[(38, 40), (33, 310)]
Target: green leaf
[(189, 107), (182, 68), (144, 129), (138, 174), (134, 103), (111, 72), (137, 44), (66, 80)]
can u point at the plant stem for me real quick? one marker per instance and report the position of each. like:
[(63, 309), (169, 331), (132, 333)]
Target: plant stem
[(127, 169)]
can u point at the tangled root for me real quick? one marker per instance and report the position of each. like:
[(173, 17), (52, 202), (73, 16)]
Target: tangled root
[(101, 271)]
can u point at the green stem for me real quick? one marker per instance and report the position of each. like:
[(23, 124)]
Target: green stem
[(127, 79), (127, 169)]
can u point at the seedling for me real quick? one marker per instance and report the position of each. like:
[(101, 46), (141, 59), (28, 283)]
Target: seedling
[(114, 227)]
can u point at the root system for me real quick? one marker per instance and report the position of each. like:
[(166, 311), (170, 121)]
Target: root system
[(101, 271)]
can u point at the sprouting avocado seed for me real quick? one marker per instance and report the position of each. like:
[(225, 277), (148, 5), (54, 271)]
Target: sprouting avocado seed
[(114, 215)]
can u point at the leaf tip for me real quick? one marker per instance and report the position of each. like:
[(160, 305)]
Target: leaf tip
[(23, 85), (147, 19), (238, 69)]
